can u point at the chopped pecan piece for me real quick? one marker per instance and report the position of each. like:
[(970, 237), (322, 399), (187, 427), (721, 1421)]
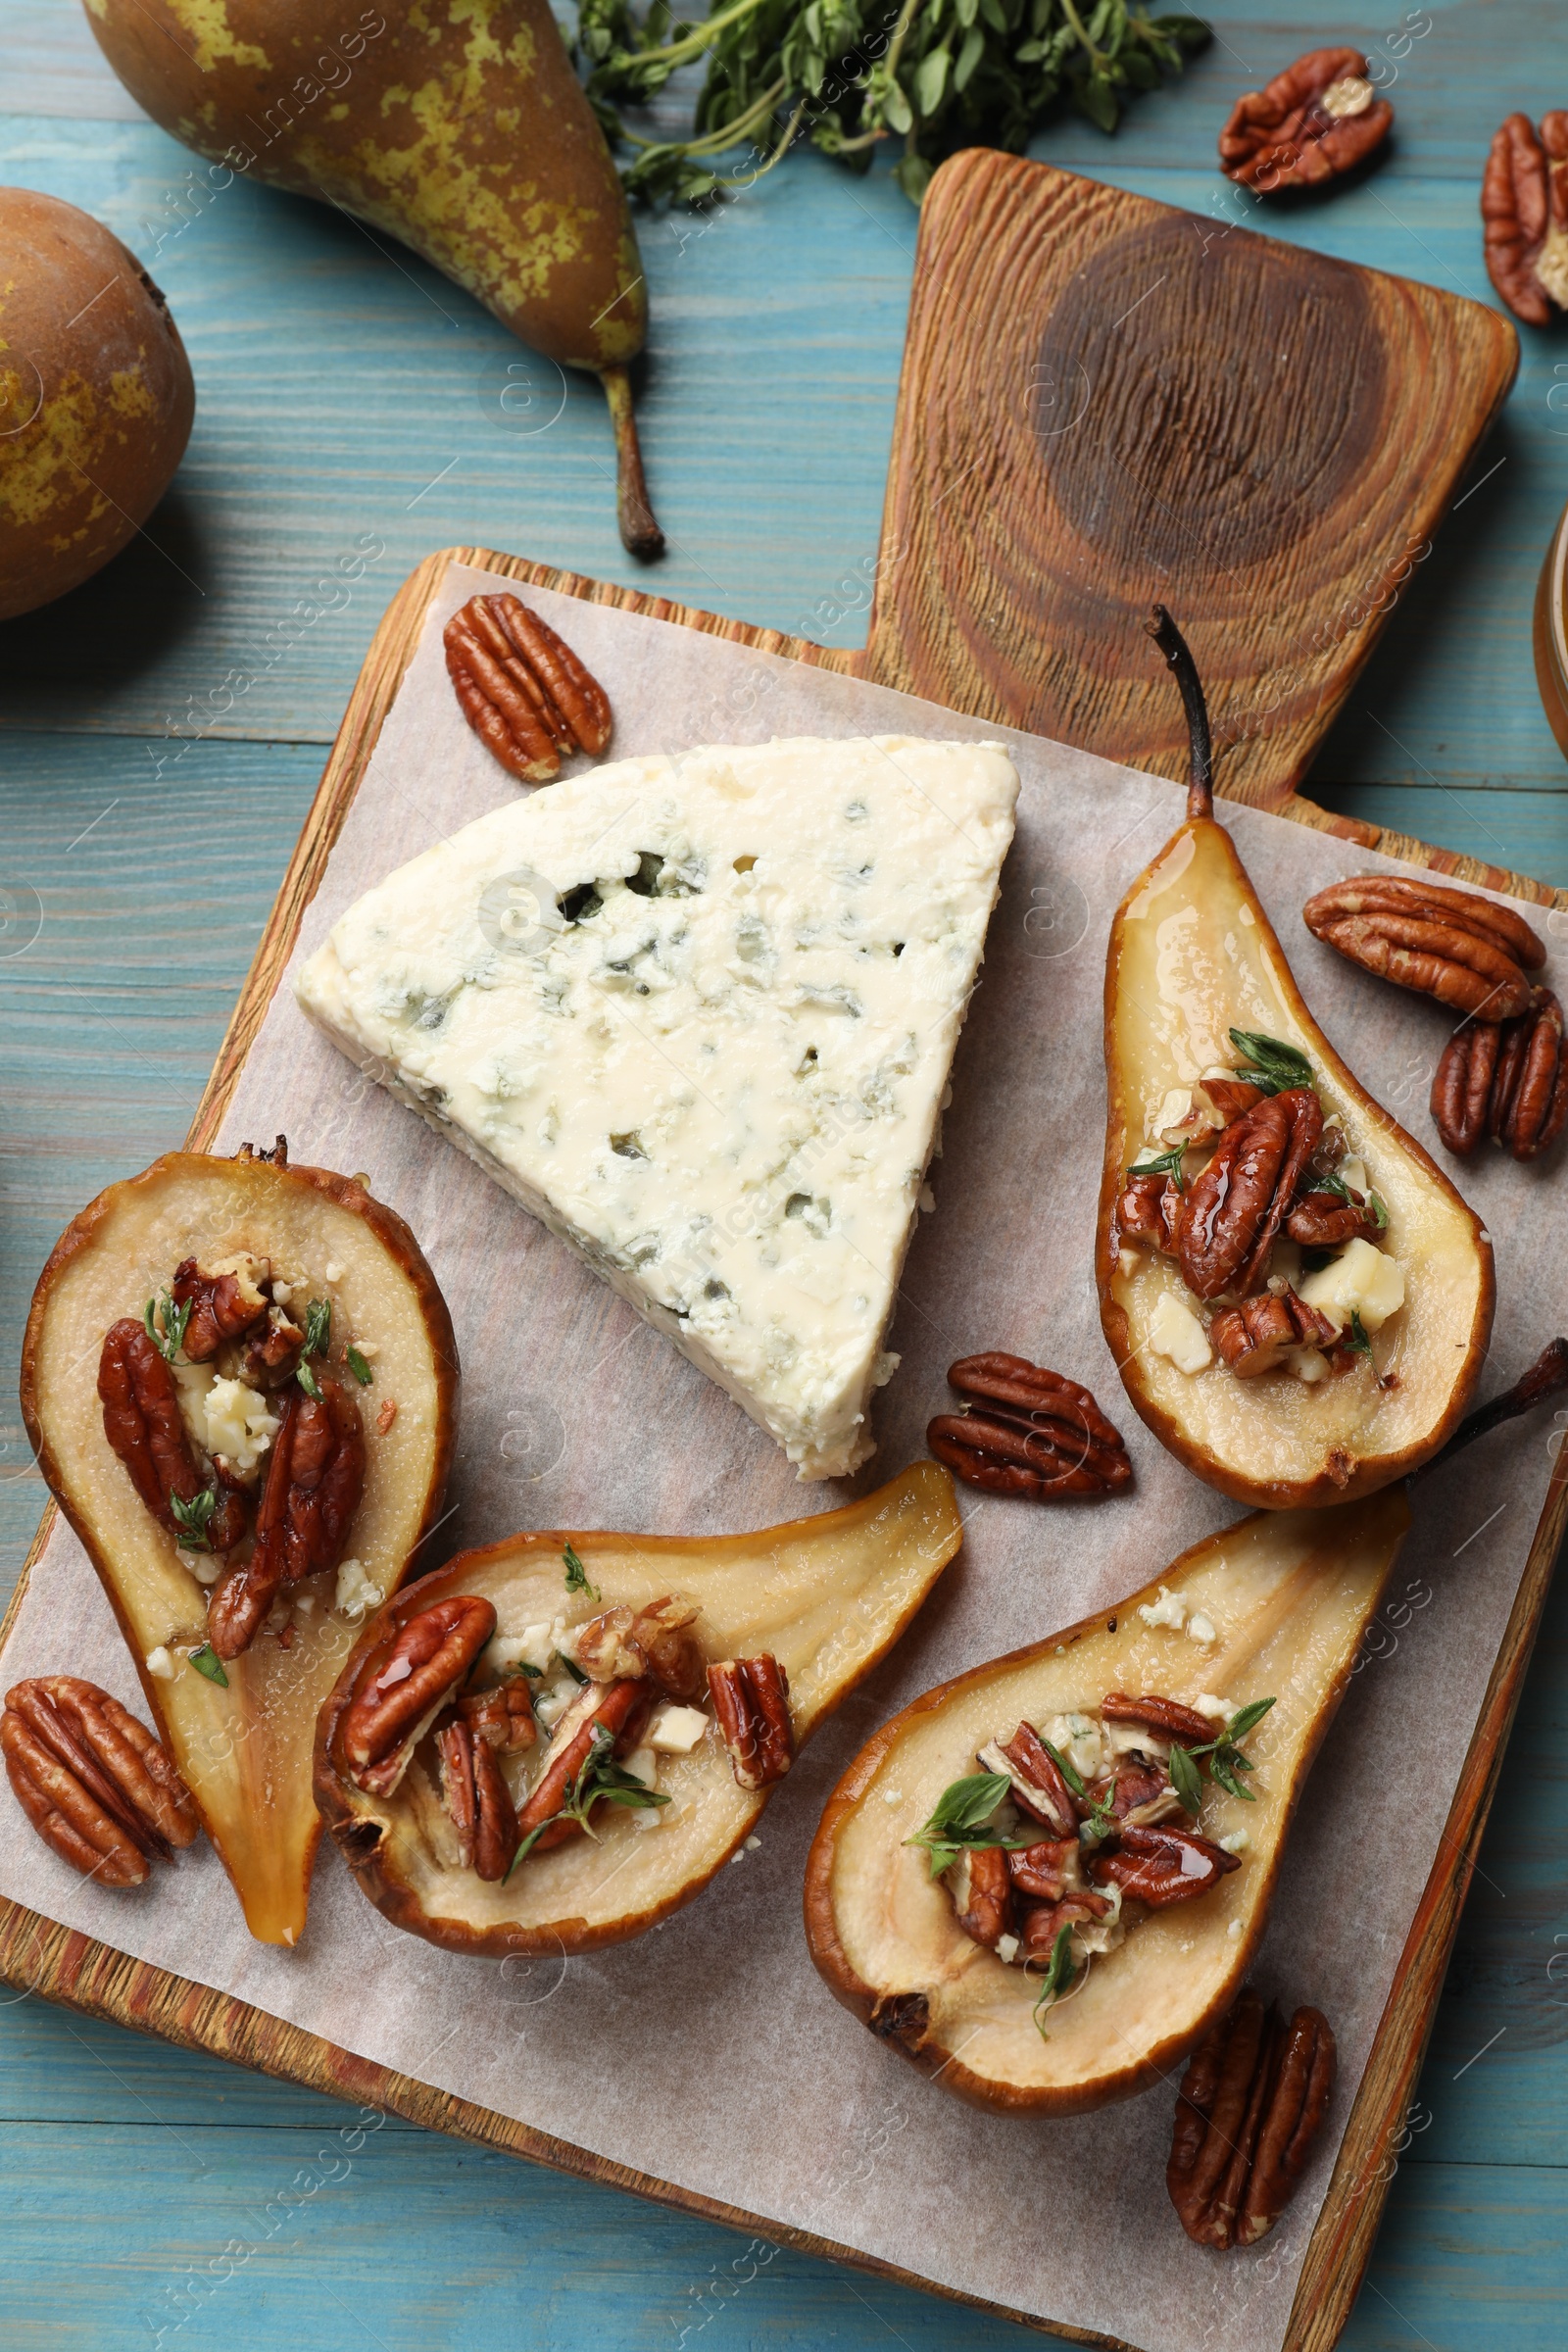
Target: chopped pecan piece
[(1449, 944), (1149, 1210), (1235, 1207), (1231, 1096), (657, 1640), (1045, 1872), (224, 1301), (1160, 1865), (1323, 1220), (314, 1481), (143, 1425), (1045, 1923), (1524, 208), (619, 1709), (1508, 1079), (96, 1785), (404, 1685), (1029, 1431), (1320, 117), (477, 1800), (750, 1699), (1166, 1716), (501, 1718), (1255, 1336), (1141, 1793), (270, 1356), (982, 1894), (1038, 1785), (1253, 2100), (522, 689)]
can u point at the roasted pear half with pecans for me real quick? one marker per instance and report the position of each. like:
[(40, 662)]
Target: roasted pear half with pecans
[(240, 1380), (553, 1744), (1022, 2022), (1297, 1299)]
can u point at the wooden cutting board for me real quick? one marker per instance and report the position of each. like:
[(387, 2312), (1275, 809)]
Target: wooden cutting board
[(1106, 401), (966, 617)]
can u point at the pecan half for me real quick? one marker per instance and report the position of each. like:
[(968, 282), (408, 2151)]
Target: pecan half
[(144, 1427), (224, 1302), (750, 1699), (403, 1687), (522, 689), (1038, 1785), (1322, 1220), (314, 1481), (1160, 1865), (1045, 1923), (1231, 1096), (981, 1887), (1255, 1336), (657, 1640), (1046, 1871), (1253, 2100), (1319, 117), (1235, 1206), (96, 1785), (1449, 944), (477, 1800), (1030, 1432), (1149, 1210), (619, 1708), (1524, 211), (1167, 1716), (1507, 1079), (501, 1718)]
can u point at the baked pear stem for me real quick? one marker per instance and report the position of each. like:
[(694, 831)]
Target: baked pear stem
[(639, 528), (1173, 645)]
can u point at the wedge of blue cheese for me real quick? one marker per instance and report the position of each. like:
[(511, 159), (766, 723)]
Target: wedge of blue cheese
[(698, 1015)]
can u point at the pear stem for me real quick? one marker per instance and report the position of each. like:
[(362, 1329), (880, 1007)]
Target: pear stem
[(1547, 1377), (639, 532), (1173, 645)]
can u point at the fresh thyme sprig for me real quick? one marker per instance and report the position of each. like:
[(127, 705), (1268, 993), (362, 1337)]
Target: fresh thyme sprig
[(1097, 1822), (1163, 1163), (1225, 1758), (577, 1575), (1269, 1063), (165, 1324), (599, 1777), (1058, 1980), (929, 76), (192, 1518)]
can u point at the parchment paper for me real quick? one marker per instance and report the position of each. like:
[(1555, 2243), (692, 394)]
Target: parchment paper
[(708, 2053)]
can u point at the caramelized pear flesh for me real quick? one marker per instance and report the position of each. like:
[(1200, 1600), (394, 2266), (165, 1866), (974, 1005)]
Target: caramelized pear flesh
[(244, 1751), (1289, 1596), (826, 1597), (1192, 957)]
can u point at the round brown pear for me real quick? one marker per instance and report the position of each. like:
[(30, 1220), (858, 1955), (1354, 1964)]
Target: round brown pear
[(96, 398), (465, 133)]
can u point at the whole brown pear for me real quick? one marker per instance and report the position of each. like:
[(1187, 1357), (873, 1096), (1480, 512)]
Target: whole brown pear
[(96, 398), (457, 126)]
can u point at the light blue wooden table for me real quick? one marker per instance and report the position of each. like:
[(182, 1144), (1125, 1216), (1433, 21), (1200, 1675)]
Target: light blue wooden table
[(346, 403)]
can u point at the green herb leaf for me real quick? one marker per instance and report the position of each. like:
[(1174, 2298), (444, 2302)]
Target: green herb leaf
[(1162, 1163), (577, 1575), (532, 1672), (1224, 1767), (308, 1382), (358, 1365), (600, 1779), (317, 1326), (1380, 1213), (1068, 1770), (571, 1665), (166, 1328), (963, 1813), (1355, 1338), (1243, 1720), (1186, 1779), (206, 1660), (1060, 1977), (193, 1517), (1269, 1062)]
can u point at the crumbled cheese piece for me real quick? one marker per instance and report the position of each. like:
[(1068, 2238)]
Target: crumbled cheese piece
[(722, 1087), (305, 1606), (368, 1349), (1309, 1364), (1217, 1709), (1354, 1171), (1008, 1949), (1120, 1737), (204, 1566), (752, 1844), (1181, 1120), (535, 1646), (1175, 1331), (1127, 1261), (240, 1426), (643, 1765), (1237, 1842), (893, 1796), (355, 1592), (1234, 1930), (1361, 1281), (160, 1664), (675, 1730), (332, 1270), (1077, 1738), (1202, 1628), (552, 1699), (1169, 1609)]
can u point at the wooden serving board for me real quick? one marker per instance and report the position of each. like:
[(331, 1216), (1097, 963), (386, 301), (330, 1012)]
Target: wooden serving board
[(958, 621)]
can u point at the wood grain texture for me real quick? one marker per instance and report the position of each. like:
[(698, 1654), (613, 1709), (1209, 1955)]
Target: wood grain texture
[(67, 1967), (1106, 401)]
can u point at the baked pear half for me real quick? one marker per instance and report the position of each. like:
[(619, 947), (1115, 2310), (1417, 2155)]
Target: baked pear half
[(240, 1380), (1296, 1297), (552, 1744), (1040, 1881)]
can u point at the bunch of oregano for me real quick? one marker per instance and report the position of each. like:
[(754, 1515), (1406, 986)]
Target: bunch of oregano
[(930, 76)]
